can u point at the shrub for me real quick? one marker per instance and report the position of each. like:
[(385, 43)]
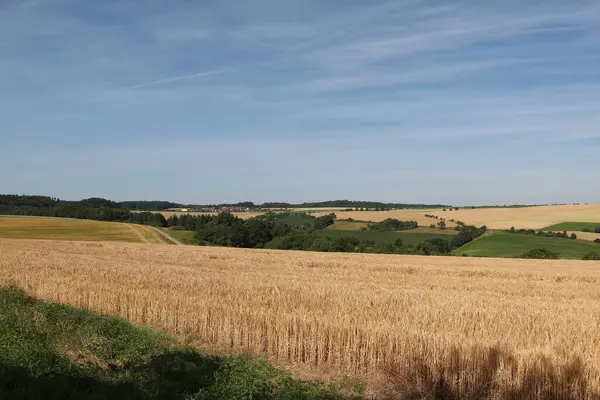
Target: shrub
[(591, 256), (541, 254), (597, 241), (573, 236), (597, 230)]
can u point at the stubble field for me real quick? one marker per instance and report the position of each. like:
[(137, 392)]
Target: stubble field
[(486, 326), (526, 217), (378, 216), (75, 229)]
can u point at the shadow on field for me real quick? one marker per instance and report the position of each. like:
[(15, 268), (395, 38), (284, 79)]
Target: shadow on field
[(486, 374), (173, 375)]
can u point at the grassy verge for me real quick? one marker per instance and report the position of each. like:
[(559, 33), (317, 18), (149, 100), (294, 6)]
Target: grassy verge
[(501, 244), (184, 236), (55, 351), (572, 226)]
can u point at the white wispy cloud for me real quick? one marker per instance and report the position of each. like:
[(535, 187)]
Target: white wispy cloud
[(378, 79), (178, 78)]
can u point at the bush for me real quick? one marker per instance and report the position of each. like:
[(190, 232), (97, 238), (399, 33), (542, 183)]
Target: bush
[(591, 256), (573, 236), (597, 230), (597, 241), (541, 254)]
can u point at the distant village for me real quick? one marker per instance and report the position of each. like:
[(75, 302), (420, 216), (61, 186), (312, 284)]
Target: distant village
[(217, 209)]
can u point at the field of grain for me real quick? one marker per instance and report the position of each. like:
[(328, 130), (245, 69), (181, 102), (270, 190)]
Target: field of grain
[(526, 217), (474, 326), (75, 229), (591, 236), (378, 216)]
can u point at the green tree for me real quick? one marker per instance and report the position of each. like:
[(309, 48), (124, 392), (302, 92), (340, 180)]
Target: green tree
[(591, 256), (573, 236), (259, 232), (398, 243), (540, 254)]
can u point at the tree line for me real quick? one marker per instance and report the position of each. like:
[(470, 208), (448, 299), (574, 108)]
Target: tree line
[(533, 232), (97, 209), (298, 231), (349, 204), (392, 224)]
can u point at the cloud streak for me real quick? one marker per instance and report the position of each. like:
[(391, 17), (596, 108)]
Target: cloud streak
[(204, 74), (368, 87)]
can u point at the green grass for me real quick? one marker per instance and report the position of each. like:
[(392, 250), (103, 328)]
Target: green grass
[(50, 351), (184, 236), (572, 226), (501, 244), (383, 238), (347, 225), (67, 229)]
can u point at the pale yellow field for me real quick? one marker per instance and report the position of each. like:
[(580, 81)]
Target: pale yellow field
[(591, 236), (75, 229), (510, 324), (311, 209), (526, 218), (402, 215)]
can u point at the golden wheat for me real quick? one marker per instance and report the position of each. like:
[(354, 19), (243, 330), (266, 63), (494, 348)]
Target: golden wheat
[(343, 314), (402, 215), (526, 217)]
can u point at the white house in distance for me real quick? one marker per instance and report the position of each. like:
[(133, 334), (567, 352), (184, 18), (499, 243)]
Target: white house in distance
[(184, 210)]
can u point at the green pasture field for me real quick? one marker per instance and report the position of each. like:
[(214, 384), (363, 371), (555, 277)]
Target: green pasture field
[(573, 226), (411, 237), (184, 236), (508, 245)]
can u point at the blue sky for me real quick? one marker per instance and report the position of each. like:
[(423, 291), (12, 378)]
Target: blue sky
[(273, 100)]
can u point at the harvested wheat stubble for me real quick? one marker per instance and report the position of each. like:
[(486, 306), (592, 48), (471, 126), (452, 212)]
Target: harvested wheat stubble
[(402, 215), (353, 314), (526, 217)]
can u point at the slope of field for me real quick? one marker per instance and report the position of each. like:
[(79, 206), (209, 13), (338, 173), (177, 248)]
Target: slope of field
[(409, 237), (573, 226), (377, 216), (75, 229), (478, 327), (502, 244), (184, 236), (525, 217), (56, 352), (348, 225)]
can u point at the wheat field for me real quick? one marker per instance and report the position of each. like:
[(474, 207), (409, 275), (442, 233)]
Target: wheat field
[(402, 215), (526, 218), (17, 227), (404, 322)]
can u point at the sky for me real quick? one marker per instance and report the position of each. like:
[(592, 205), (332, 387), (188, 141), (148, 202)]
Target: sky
[(462, 102)]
